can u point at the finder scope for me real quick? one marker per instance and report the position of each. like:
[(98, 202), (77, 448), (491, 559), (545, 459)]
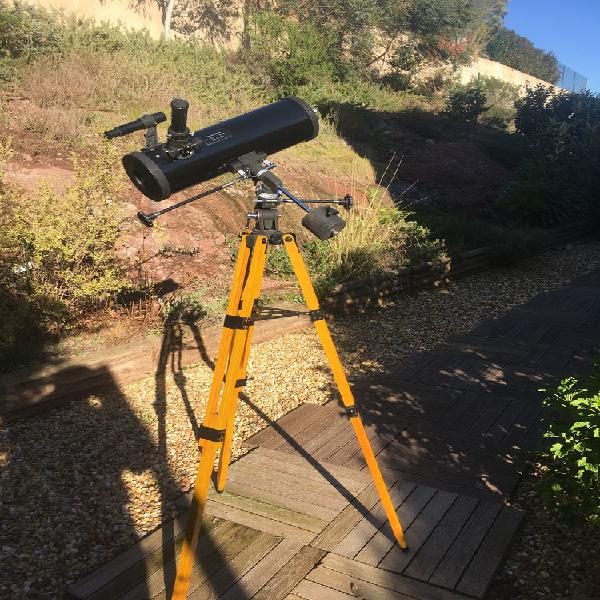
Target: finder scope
[(186, 159)]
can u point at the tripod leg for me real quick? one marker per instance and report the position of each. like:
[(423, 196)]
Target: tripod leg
[(239, 376), (312, 303), (219, 412)]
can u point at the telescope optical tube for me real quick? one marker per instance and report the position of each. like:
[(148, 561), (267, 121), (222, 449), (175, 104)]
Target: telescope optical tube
[(161, 171)]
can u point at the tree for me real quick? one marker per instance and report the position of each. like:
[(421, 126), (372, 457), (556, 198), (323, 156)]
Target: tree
[(511, 49), (169, 5)]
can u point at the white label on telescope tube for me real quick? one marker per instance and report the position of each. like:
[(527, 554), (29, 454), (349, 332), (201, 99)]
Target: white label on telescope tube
[(216, 137)]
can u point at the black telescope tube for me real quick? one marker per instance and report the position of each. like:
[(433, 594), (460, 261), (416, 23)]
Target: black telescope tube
[(158, 172)]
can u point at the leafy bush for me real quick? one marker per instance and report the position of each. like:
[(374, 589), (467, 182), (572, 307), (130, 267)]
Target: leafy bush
[(292, 53), (26, 31), (467, 102), (560, 182), (501, 97), (376, 240), (510, 244), (572, 481), (59, 250), (511, 49)]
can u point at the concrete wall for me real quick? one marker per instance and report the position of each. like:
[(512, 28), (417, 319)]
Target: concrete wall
[(219, 22), (489, 68), (134, 14)]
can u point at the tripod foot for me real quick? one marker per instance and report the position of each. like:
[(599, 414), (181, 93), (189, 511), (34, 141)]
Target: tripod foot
[(405, 550)]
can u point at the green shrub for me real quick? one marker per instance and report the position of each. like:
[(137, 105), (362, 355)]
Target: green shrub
[(59, 249), (560, 182), (509, 48), (466, 102), (572, 481), (500, 97), (27, 31), (292, 53)]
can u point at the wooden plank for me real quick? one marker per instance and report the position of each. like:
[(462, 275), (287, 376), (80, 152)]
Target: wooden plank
[(131, 564), (470, 463), (248, 519), (283, 499), (209, 548), (323, 432), (262, 481), (347, 519), (270, 511), (380, 544), (263, 571), (347, 436), (480, 572), (356, 539), (430, 554), (349, 585), (500, 428), (387, 579), (324, 484), (236, 568), (293, 435), (211, 556), (451, 567), (344, 474), (524, 422), (281, 584), (309, 590), (426, 522), (269, 434), (307, 469)]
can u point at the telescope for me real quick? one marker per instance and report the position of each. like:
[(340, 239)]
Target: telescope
[(239, 145)]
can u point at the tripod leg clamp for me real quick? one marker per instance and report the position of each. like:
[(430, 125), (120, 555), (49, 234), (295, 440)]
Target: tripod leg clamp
[(316, 315), (235, 322), (239, 382), (211, 434), (352, 411)]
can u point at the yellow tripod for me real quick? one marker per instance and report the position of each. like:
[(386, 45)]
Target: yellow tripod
[(230, 376)]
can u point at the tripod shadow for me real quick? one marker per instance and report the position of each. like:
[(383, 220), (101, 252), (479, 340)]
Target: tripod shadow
[(170, 361), (84, 481)]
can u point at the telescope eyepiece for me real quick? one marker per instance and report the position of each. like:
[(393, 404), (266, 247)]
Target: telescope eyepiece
[(179, 110)]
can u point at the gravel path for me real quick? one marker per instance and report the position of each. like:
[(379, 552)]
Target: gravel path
[(83, 481)]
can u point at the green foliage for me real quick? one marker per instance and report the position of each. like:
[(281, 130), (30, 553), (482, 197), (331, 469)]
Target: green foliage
[(572, 481), (58, 256), (26, 31), (560, 182), (278, 263), (467, 103), (191, 306), (501, 97), (509, 48), (510, 244), (291, 53)]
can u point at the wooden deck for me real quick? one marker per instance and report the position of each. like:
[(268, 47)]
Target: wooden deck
[(453, 430)]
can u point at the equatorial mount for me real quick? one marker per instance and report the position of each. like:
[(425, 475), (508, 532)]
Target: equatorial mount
[(324, 222)]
